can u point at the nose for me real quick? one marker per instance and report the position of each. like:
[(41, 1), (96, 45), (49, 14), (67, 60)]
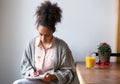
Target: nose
[(43, 38)]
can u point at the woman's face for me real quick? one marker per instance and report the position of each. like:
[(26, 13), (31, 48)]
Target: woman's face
[(45, 34)]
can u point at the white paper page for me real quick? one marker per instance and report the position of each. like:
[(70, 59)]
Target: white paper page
[(41, 76), (37, 77)]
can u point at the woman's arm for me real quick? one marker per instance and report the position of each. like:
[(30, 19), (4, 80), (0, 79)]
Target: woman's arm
[(25, 66), (27, 59), (65, 65)]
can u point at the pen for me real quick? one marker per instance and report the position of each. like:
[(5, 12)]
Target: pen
[(33, 68)]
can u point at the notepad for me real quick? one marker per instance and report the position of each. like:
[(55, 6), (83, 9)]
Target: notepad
[(41, 76)]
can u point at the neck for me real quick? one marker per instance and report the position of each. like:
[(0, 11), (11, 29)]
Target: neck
[(47, 44)]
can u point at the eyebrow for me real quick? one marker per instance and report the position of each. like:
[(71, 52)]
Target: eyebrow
[(44, 34)]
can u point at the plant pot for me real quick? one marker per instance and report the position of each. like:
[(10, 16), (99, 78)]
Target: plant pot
[(104, 59), (105, 56)]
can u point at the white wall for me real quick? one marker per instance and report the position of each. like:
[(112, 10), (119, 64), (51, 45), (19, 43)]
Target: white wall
[(85, 24), (11, 42)]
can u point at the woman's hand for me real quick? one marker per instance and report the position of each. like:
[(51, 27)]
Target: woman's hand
[(33, 73), (48, 78)]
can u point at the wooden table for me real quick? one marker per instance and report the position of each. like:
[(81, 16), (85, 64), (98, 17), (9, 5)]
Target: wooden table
[(98, 75)]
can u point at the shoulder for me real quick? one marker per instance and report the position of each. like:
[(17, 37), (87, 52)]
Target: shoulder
[(61, 42), (58, 40), (30, 42)]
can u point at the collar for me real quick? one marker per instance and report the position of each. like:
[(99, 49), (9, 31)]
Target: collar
[(39, 44)]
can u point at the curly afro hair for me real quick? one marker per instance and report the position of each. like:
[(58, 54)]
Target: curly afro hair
[(48, 14)]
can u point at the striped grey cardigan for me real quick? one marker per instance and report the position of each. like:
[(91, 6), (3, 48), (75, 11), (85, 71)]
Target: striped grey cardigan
[(64, 66)]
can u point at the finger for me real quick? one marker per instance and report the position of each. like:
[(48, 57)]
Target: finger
[(47, 75), (36, 73)]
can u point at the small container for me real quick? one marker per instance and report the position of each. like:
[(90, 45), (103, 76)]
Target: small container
[(90, 61)]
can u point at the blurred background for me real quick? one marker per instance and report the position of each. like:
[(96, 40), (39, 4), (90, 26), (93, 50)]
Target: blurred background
[(85, 24)]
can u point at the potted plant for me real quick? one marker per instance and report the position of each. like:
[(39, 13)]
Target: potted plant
[(104, 51)]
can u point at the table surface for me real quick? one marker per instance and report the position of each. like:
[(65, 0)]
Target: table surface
[(98, 75)]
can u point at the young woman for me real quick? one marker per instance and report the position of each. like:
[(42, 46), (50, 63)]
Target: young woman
[(47, 55)]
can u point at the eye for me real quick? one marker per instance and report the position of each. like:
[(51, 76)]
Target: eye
[(41, 34)]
